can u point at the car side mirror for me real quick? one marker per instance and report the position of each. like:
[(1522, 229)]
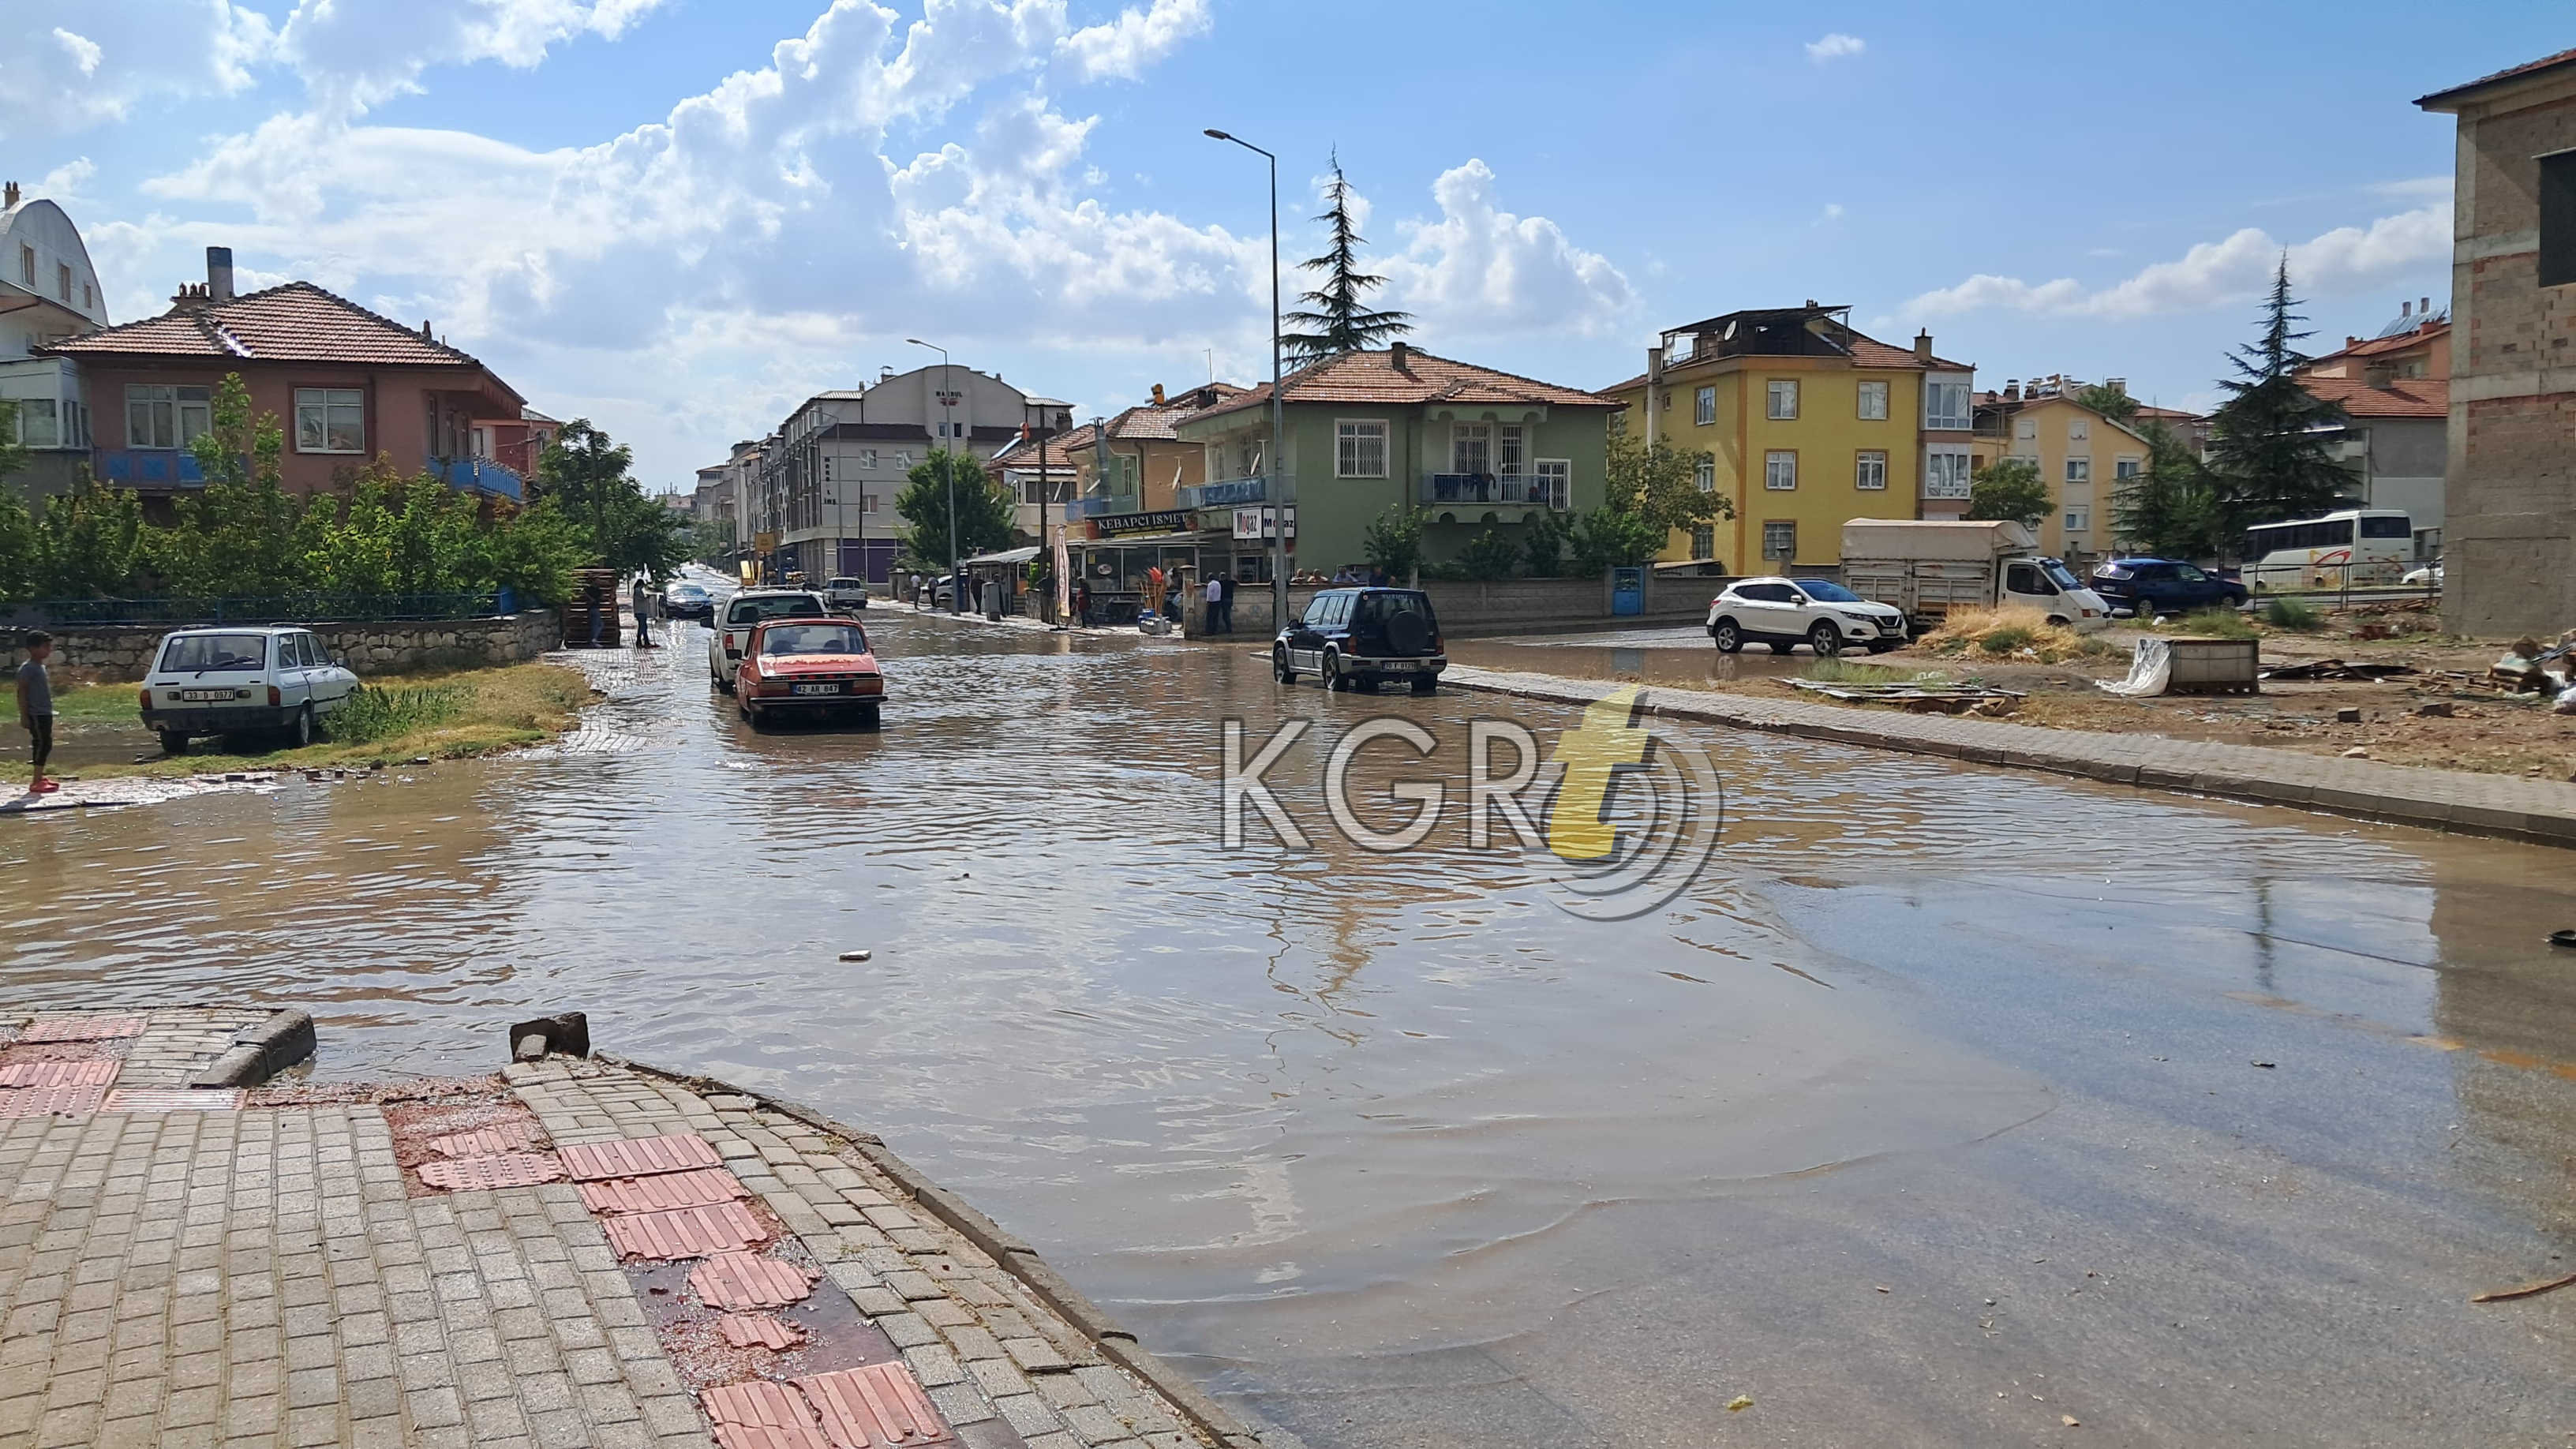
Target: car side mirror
[(342, 660)]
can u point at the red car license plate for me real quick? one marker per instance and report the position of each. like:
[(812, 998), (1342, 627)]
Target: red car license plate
[(818, 689)]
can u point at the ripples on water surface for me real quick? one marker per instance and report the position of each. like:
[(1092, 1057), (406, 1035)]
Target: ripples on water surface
[(1208, 1078)]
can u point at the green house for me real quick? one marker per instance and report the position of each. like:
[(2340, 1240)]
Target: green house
[(1471, 447)]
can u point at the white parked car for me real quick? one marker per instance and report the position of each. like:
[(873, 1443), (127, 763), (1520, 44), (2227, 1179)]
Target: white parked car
[(1785, 613), (732, 626), (2430, 576), (225, 680)]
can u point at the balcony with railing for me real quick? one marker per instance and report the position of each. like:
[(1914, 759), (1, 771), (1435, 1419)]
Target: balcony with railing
[(1231, 492), (150, 468), (480, 475), (1525, 490)]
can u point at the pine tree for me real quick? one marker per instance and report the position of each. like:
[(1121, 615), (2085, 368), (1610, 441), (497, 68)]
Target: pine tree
[(2268, 442), (2170, 510), (1340, 320)]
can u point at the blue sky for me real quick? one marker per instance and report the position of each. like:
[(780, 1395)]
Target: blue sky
[(679, 217)]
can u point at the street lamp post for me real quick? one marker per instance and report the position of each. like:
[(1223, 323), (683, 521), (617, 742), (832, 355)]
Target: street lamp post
[(947, 431), (1278, 427)]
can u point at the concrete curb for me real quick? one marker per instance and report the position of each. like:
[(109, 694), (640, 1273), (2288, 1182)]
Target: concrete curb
[(1115, 1342), (2029, 749), (261, 1052)]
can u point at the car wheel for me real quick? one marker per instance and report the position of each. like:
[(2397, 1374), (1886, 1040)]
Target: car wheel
[(1279, 669), (1779, 648), (724, 685), (1825, 639), (1427, 684), (868, 717), (1880, 646), (1334, 679), (1726, 636), (173, 742), (2055, 621), (299, 731)]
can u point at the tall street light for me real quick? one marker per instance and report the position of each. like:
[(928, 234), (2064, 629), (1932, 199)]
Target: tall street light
[(947, 429), (1270, 487)]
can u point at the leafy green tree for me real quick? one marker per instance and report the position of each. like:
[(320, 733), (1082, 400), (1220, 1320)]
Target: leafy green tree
[(1489, 556), (17, 525), (2110, 402), (2171, 509), (1545, 544), (1337, 317), (1659, 484), (534, 553), (243, 534), (1609, 537), (589, 479), (87, 541), (1393, 542), (985, 513), (2009, 488), (2268, 442)]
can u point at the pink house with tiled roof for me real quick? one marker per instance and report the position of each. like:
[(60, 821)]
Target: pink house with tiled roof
[(348, 386)]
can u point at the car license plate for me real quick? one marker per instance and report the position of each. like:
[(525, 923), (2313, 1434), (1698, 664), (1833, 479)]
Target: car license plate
[(205, 694), (818, 689)]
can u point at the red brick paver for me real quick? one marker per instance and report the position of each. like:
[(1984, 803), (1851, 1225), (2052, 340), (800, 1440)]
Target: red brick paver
[(639, 1157)]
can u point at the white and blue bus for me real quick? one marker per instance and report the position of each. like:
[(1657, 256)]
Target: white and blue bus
[(2352, 548)]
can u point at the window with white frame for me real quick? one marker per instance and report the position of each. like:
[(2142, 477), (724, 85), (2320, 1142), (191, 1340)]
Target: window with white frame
[(2078, 430), (63, 281), (1704, 407), (330, 420), (2078, 519), (1556, 477), (1780, 469), (2079, 470), (1706, 475), (1510, 454), (1359, 448), (1703, 541), (38, 424), (26, 265), (2126, 468), (1869, 471), (162, 416), (867, 457), (1471, 447), (1945, 473), (2025, 428), (903, 458), (1873, 402), (1781, 399), (1780, 539), (1946, 405)]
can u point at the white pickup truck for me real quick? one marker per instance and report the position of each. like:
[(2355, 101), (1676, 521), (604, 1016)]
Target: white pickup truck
[(1928, 567)]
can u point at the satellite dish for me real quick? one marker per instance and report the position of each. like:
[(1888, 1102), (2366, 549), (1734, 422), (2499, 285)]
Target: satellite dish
[(1729, 335)]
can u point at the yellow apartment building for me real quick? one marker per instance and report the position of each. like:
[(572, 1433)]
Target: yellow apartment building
[(2083, 456), (1810, 424)]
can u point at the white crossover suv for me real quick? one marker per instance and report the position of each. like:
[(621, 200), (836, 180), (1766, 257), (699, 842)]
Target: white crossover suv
[(1785, 613), (226, 679)]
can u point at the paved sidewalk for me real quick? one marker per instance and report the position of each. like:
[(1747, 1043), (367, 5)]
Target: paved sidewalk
[(2541, 812), (407, 1265)]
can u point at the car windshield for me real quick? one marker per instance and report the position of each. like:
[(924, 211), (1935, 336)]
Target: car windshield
[(813, 639), (201, 653), (2057, 574), (845, 584), (688, 591), (1826, 592), (773, 606)]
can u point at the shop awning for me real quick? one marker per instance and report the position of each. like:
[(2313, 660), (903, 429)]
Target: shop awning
[(1154, 540), (1006, 556)]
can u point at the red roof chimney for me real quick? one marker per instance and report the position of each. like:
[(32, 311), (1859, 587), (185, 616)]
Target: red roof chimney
[(1398, 356)]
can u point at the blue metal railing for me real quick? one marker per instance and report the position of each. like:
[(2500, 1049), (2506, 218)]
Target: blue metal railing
[(299, 608), (480, 475), (150, 468)]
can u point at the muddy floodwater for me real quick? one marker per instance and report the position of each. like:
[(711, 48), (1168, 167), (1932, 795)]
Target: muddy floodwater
[(1946, 1107)]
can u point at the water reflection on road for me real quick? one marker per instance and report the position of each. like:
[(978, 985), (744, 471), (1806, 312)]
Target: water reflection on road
[(1397, 1151)]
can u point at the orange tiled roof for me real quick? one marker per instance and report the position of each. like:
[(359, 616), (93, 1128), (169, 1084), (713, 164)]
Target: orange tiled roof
[(1372, 377), (2373, 346), (1865, 352), (297, 322), (2546, 62), (2405, 397), (1056, 455)]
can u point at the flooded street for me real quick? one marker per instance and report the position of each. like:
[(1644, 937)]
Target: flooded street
[(1948, 1106)]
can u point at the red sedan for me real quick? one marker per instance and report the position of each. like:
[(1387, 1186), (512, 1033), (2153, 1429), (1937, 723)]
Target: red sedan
[(808, 665)]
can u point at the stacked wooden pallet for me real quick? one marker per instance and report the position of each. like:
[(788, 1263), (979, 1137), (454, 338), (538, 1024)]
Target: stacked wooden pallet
[(593, 591)]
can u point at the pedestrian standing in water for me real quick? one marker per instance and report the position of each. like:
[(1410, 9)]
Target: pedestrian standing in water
[(591, 600), (643, 609), (36, 707), (1215, 596)]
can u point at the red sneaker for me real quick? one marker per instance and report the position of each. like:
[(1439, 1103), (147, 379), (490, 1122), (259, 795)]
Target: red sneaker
[(44, 787)]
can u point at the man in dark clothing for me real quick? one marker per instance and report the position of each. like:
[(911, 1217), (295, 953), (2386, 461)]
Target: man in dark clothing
[(36, 707)]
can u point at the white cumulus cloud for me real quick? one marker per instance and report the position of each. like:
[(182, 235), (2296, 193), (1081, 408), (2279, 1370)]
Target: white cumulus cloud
[(67, 65), (2232, 269), (1836, 46), (1124, 47), (1481, 271)]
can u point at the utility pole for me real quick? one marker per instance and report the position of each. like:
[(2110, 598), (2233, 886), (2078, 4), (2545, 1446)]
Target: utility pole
[(1272, 480)]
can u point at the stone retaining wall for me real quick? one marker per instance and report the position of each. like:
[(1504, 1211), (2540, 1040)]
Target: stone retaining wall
[(109, 653)]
